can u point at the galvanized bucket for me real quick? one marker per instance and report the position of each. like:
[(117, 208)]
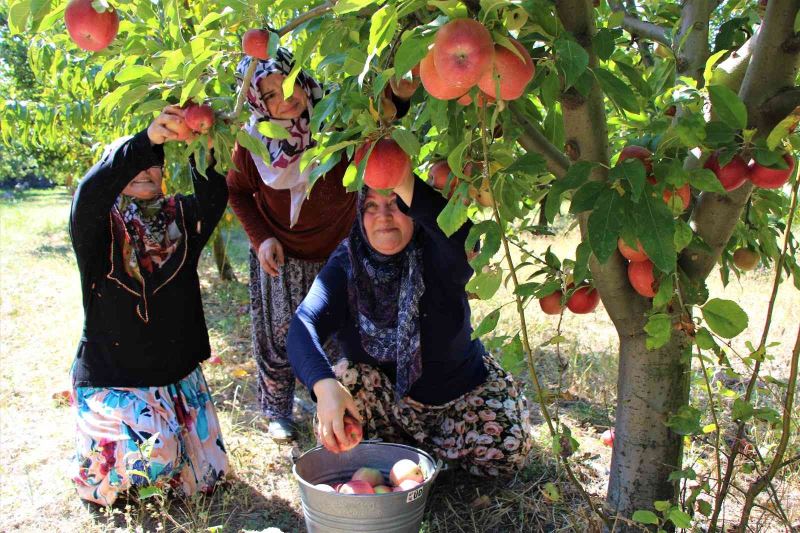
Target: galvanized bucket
[(330, 512)]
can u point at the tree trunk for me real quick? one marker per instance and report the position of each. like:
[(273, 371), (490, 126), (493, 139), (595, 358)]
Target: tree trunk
[(221, 258), (652, 385)]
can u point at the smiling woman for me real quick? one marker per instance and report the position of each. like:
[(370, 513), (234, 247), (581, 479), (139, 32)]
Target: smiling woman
[(144, 411)]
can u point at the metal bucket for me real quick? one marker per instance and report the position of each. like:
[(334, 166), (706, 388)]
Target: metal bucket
[(330, 512)]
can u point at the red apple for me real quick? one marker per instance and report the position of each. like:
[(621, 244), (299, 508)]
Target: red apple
[(771, 178), (324, 488), (607, 437), (462, 52), (199, 118), (631, 254), (684, 193), (255, 43), (732, 175), (440, 174), (407, 484), (745, 259), (465, 99), (387, 165), (437, 86), (551, 304), (640, 274), (372, 476), (353, 431), (637, 152), (215, 360), (183, 131), (382, 489), (89, 29), (356, 487), (584, 300), (514, 73), (405, 469)]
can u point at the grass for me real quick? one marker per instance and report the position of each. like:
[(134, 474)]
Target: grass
[(40, 324)]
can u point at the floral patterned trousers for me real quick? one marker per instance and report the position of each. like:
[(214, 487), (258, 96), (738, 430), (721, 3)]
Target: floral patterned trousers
[(486, 431), (167, 437)]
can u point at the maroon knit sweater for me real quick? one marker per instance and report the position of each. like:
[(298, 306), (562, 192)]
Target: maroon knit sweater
[(325, 218)]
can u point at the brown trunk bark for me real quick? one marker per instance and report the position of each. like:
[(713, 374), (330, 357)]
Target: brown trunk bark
[(221, 258), (652, 385)]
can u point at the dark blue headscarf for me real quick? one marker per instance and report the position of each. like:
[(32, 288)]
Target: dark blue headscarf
[(384, 293)]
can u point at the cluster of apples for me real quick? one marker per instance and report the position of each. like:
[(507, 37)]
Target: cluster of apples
[(584, 300), (440, 175), (197, 119), (404, 475), (463, 55), (737, 171), (640, 268)]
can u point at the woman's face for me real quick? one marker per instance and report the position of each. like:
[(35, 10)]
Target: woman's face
[(388, 229), (271, 89), (146, 185)]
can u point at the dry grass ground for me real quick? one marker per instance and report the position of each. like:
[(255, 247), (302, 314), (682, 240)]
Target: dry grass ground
[(40, 323)]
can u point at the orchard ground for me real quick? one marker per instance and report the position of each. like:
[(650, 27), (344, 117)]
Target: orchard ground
[(41, 320)]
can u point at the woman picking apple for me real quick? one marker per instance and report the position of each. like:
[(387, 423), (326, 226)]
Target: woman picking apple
[(393, 295), (292, 227), (144, 411)]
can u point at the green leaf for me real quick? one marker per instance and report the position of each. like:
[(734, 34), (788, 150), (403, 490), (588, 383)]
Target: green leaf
[(710, 62), (586, 196), (348, 6), (454, 213), (728, 107), (686, 421), (253, 145), (704, 508), (485, 284), (407, 141), (512, 354), (704, 340), (634, 172), (490, 231), (687, 473), (782, 129), (616, 89), (455, 158), (683, 235), (741, 410), (664, 293), (410, 53), (645, 517), (571, 60), (576, 175), (137, 72), (326, 108), (654, 227), (662, 505), (273, 131), (604, 43), (18, 14), (679, 518), (149, 492), (634, 77), (604, 224), (719, 134), (487, 325), (659, 330), (581, 269), (531, 163), (705, 180), (382, 27), (724, 317)]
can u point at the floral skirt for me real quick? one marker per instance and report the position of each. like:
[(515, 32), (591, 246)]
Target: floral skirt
[(486, 431), (166, 437)]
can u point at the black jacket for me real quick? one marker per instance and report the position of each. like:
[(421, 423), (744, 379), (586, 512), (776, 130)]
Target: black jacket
[(134, 334)]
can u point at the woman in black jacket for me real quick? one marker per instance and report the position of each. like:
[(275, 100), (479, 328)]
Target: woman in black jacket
[(145, 414)]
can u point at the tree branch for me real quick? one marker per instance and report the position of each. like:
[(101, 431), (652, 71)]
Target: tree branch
[(770, 70), (640, 28), (730, 72), (534, 141), (781, 105), (693, 52)]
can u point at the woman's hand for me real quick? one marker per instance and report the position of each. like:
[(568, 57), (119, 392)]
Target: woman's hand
[(165, 127), (333, 402), (405, 189), (270, 256)]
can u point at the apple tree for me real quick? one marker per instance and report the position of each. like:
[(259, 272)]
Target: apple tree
[(665, 129)]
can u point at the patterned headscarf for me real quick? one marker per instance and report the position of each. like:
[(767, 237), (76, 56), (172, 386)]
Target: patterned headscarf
[(283, 169), (384, 293)]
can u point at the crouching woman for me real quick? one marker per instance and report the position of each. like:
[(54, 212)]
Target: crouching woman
[(144, 411), (393, 294)]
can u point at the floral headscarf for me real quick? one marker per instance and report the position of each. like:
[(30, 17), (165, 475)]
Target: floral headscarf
[(283, 169), (384, 293)]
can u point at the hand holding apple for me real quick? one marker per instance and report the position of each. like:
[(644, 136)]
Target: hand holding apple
[(167, 126), (333, 402)]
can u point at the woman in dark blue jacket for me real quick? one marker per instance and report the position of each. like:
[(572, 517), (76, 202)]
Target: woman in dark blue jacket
[(145, 414), (393, 294)]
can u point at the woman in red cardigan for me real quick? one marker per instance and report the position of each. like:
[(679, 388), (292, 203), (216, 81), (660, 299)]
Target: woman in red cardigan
[(292, 227)]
